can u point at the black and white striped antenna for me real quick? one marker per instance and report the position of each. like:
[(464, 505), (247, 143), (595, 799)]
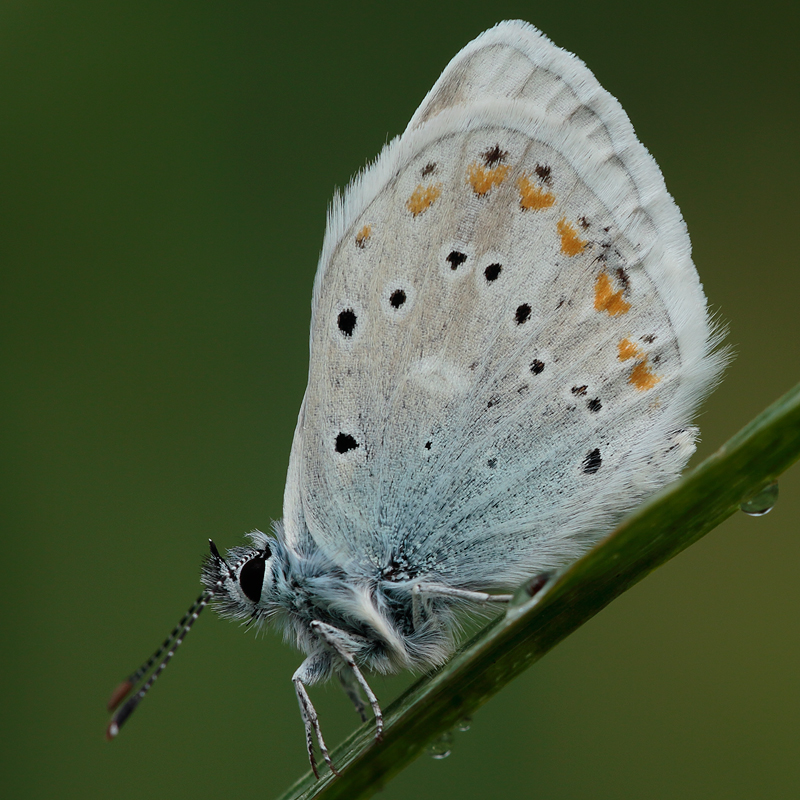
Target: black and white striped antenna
[(165, 653)]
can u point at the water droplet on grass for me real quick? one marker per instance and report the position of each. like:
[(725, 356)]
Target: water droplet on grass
[(531, 588), (761, 503), (441, 747)]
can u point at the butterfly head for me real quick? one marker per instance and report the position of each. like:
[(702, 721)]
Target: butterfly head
[(242, 583)]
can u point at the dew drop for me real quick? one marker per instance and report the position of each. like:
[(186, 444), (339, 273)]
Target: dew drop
[(441, 747), (531, 588), (464, 724), (761, 503)]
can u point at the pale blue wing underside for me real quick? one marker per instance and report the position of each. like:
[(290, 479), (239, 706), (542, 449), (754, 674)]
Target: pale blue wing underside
[(509, 338)]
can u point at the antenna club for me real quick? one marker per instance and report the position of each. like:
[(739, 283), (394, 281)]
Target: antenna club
[(167, 650), (118, 695)]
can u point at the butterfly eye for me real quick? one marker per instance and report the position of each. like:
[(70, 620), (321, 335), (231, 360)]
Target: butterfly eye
[(251, 577)]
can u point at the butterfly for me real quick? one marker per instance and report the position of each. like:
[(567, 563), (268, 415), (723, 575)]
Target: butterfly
[(508, 342)]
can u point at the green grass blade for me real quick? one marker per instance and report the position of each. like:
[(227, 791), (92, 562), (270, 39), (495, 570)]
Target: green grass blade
[(654, 533)]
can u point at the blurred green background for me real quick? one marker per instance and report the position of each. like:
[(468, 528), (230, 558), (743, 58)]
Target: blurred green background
[(166, 169)]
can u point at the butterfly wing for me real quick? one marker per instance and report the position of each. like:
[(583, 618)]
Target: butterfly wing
[(508, 336)]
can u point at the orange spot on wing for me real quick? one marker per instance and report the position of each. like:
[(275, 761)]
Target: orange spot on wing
[(641, 376), (571, 243), (533, 197), (605, 298), (363, 235), (423, 198), (627, 349), (482, 178)]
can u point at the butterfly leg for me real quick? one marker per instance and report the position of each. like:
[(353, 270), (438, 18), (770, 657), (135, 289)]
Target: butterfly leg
[(307, 673), (338, 641), (422, 590), (417, 606), (350, 686)]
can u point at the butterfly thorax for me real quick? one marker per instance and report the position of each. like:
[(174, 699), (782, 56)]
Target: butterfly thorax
[(300, 586)]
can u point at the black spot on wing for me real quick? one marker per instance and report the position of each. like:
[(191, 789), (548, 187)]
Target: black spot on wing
[(522, 314), (592, 461), (455, 259), (345, 442), (346, 321), (537, 366), (494, 155), (492, 272), (544, 173), (397, 298)]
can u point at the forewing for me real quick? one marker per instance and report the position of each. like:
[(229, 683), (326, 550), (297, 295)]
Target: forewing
[(508, 336)]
